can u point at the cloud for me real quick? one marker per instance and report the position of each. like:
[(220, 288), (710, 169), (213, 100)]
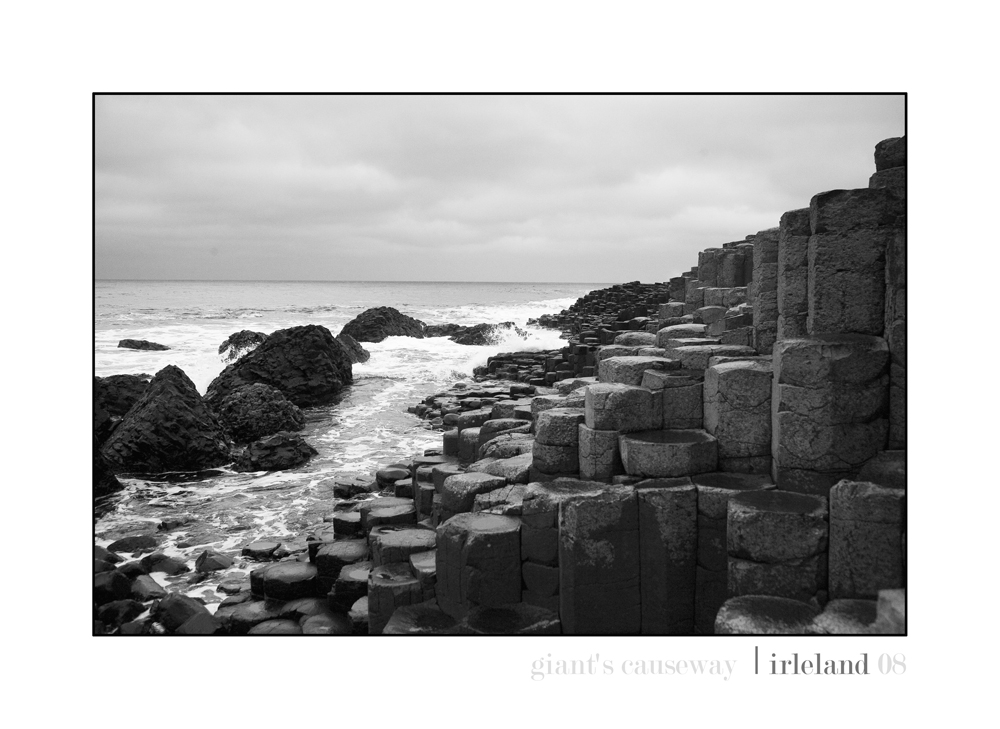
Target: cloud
[(559, 188)]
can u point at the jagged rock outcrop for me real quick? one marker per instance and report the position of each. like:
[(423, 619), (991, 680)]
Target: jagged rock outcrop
[(354, 349), (374, 325), (481, 334), (240, 343), (104, 479), (168, 429), (278, 452), (141, 344), (256, 411), (307, 364)]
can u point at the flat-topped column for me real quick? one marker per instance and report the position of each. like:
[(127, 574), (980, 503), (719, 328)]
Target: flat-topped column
[(793, 273), (765, 290)]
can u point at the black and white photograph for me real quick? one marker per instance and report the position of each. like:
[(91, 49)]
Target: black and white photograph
[(604, 364), (508, 364)]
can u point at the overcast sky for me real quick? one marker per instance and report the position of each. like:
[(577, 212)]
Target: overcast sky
[(461, 188)]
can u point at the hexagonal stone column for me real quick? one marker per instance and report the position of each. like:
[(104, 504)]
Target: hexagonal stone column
[(681, 397), (668, 554), (599, 457), (619, 407), (458, 493), (629, 370), (828, 409), (777, 544), (599, 563), (478, 562), (851, 230), (765, 290), (793, 273), (389, 587), (712, 581), (866, 539), (668, 453), (540, 537), (737, 412)]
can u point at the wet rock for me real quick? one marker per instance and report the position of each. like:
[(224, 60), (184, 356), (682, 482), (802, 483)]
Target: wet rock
[(424, 618), (240, 343), (257, 411), (327, 623), (145, 588), (359, 616), (351, 585), (483, 334), (260, 551), (111, 586), (765, 615), (138, 543), (516, 619), (141, 344), (117, 612), (241, 618), (277, 452), (290, 580), (168, 429), (159, 562), (276, 627), (354, 348), (211, 561), (176, 609), (199, 624), (307, 364), (374, 325)]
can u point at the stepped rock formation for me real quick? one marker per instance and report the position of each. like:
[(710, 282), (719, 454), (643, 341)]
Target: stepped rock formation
[(307, 364), (169, 429)]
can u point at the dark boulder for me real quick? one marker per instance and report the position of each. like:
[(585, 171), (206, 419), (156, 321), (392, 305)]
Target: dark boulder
[(141, 344), (374, 325), (443, 330), (175, 609), (159, 562), (277, 452), (118, 393), (110, 586), (482, 334), (137, 543), (256, 411), (117, 612), (210, 561), (307, 364), (241, 343), (354, 349), (168, 429)]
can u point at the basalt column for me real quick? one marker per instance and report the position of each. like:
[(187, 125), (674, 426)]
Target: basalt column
[(599, 563), (668, 539), (793, 273), (765, 290), (777, 544), (890, 166), (711, 581), (738, 414), (851, 230), (829, 408)]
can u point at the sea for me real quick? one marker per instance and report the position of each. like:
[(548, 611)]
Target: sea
[(367, 428)]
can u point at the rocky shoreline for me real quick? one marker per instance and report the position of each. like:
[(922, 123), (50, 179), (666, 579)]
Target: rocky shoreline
[(730, 443)]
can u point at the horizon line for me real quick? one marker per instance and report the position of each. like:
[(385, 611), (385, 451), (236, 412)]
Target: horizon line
[(294, 280)]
